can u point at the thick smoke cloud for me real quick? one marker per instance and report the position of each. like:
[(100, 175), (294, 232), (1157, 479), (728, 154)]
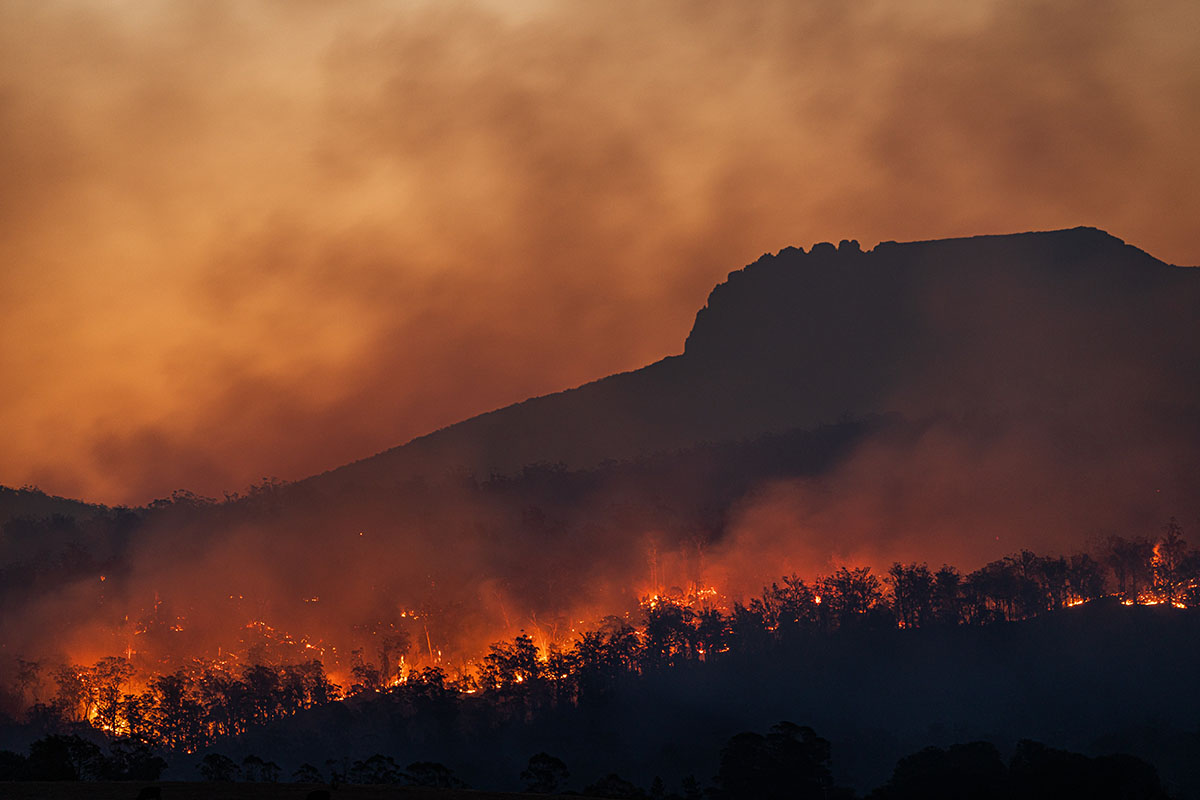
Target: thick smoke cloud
[(268, 238)]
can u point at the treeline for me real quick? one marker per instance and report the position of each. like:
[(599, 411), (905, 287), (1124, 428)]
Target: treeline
[(789, 761), (70, 757), (194, 707)]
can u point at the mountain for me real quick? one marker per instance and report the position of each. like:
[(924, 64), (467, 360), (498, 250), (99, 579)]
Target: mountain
[(1070, 327), (948, 402)]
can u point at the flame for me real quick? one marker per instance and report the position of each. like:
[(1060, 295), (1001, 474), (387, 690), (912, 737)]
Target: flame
[(262, 640)]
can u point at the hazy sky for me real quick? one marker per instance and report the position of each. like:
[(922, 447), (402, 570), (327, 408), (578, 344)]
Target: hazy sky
[(265, 238)]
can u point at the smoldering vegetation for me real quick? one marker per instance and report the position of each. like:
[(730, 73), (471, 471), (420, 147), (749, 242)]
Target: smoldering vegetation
[(988, 395), (996, 393), (453, 562)]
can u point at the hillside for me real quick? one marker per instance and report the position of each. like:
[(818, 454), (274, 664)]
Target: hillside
[(35, 504), (1014, 324), (944, 402)]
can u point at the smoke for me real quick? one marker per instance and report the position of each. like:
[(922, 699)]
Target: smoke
[(1047, 408), (268, 238)]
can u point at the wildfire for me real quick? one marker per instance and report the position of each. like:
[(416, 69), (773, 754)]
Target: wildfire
[(393, 649)]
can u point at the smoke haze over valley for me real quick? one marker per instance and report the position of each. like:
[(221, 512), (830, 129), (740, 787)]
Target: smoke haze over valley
[(403, 377), (948, 402)]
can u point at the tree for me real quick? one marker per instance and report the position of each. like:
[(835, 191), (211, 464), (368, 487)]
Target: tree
[(377, 769), (912, 594), (789, 762), (392, 646), (64, 758), (1167, 563), (614, 786), (215, 767), (1085, 578), (263, 693), (788, 608), (972, 770), (544, 774), (256, 769), (1130, 560), (668, 633), (947, 596), (107, 678), (1039, 772), (307, 773), (71, 696), (1055, 578), (29, 679), (366, 677), (133, 760), (995, 591), (849, 594), (508, 664), (711, 633), (432, 775), (177, 715)]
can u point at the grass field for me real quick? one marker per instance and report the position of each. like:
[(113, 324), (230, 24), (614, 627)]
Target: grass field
[(233, 791)]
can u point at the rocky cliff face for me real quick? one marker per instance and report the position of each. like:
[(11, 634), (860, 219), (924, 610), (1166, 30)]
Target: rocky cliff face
[(1068, 327)]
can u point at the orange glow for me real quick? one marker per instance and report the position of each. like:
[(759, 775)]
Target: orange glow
[(274, 645), (218, 258)]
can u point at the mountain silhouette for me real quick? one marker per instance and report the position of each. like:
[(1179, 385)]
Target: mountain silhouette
[(1071, 327), (948, 402)]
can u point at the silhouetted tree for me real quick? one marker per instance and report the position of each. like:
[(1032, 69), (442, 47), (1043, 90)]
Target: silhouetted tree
[(1168, 578), (307, 773), (432, 775), (850, 594), (711, 633), (912, 594), (392, 646), (1038, 772), (64, 758), (29, 679), (510, 664), (1055, 579), (376, 769), (176, 715), (105, 682), (994, 592), (366, 677), (258, 770), (668, 633), (788, 608), (789, 762), (946, 600), (614, 786), (973, 770), (215, 767), (544, 774), (1085, 577), (132, 760), (1130, 560)]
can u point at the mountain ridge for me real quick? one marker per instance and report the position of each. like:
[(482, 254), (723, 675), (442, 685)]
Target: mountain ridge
[(671, 404), (806, 306)]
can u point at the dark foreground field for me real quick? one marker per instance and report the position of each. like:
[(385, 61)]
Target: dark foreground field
[(68, 790)]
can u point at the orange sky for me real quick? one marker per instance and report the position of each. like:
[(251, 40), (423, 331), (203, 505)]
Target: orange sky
[(241, 239)]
